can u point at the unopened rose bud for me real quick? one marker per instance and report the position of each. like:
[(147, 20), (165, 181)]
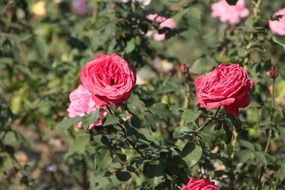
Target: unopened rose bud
[(273, 73), (183, 68)]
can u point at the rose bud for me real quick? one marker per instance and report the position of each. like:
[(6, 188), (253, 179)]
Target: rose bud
[(273, 73), (183, 68)]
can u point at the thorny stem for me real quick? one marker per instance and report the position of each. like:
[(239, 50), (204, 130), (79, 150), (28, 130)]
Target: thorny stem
[(262, 170), (130, 142), (208, 122)]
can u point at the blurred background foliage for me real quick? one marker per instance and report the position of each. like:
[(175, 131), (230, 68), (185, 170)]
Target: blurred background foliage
[(44, 44)]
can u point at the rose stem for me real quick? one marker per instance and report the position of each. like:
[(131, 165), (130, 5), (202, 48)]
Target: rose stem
[(208, 122), (262, 170), (130, 142)]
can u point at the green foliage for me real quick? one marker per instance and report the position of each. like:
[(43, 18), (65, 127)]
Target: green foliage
[(150, 141)]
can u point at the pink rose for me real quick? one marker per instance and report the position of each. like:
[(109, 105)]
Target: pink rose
[(163, 23), (230, 13), (278, 26), (202, 184), (80, 7), (109, 78), (81, 103), (227, 86)]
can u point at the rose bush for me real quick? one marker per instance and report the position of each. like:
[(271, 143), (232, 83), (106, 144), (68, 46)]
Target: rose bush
[(144, 114)]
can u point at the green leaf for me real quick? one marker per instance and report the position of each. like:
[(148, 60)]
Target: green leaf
[(247, 145), (123, 175), (111, 120), (190, 116), (90, 118), (66, 123), (130, 46), (203, 65), (194, 155), (232, 2), (135, 105), (103, 160), (161, 110), (42, 49), (79, 144), (260, 156), (179, 132), (245, 155), (150, 119), (154, 169)]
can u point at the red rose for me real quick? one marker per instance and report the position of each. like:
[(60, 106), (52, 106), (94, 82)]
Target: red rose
[(227, 86), (109, 78), (202, 184)]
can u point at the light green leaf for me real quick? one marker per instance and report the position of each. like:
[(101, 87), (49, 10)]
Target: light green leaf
[(66, 123), (111, 120), (190, 116), (194, 156)]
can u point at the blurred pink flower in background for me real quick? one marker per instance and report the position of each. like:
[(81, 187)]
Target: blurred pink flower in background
[(163, 23), (278, 26), (80, 7), (231, 14), (81, 103), (141, 2)]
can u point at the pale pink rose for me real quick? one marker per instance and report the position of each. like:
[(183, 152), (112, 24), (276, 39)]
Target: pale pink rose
[(80, 7), (81, 103), (109, 78), (231, 14), (278, 26), (163, 23), (158, 37), (201, 184)]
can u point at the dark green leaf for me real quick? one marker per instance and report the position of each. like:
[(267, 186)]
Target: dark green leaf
[(123, 175), (232, 2)]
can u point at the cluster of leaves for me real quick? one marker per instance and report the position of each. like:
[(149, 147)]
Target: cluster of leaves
[(154, 140)]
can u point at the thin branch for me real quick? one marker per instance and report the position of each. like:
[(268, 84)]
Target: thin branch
[(267, 147), (208, 122), (130, 142)]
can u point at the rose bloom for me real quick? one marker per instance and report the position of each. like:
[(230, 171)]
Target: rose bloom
[(163, 23), (81, 103), (278, 26), (231, 14), (109, 78), (201, 184), (227, 85)]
